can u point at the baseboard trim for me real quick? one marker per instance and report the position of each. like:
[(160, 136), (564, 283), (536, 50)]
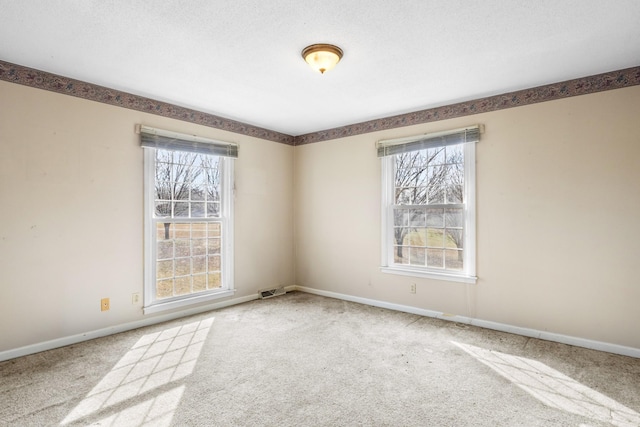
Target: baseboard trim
[(86, 336), (502, 327)]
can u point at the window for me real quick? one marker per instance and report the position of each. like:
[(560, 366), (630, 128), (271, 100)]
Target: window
[(188, 219), (428, 212)]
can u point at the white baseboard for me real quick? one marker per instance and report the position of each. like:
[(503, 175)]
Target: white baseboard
[(502, 327), (85, 336)]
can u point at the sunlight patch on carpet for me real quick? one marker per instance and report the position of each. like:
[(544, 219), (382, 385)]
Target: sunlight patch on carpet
[(553, 388), (154, 361), (156, 412)]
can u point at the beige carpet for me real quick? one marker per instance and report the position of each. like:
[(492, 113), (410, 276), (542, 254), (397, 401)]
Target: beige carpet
[(305, 360)]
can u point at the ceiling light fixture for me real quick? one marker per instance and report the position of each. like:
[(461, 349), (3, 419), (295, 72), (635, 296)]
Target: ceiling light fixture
[(322, 57)]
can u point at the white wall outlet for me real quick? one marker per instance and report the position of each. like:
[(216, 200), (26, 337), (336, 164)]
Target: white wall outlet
[(412, 289), (135, 298)]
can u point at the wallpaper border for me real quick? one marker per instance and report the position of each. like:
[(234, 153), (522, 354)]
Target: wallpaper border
[(52, 82), (582, 86)]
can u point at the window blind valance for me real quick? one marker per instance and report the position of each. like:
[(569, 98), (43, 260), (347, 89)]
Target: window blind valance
[(166, 140), (390, 147)]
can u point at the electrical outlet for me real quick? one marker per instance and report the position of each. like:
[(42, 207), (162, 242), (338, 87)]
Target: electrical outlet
[(104, 304), (135, 298), (413, 288)]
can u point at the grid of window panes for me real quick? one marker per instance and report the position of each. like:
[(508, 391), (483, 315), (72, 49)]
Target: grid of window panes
[(187, 185), (188, 258), (428, 214), (188, 227)]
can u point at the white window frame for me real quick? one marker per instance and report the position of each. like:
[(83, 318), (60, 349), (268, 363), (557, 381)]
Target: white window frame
[(468, 274), (153, 305)]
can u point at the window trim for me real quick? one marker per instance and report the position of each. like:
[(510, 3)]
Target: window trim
[(151, 305), (468, 275)]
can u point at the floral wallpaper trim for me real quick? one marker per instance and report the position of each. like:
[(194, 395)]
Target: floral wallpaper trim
[(55, 83), (582, 86), (43, 80)]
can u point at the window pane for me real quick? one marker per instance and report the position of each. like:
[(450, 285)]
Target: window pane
[(183, 266), (199, 247), (163, 190), (455, 153), (213, 193), (198, 193), (401, 255), (164, 269), (436, 184), (198, 230), (182, 247), (420, 196), (435, 156), (180, 191), (421, 176), (214, 263), (180, 172), (213, 246), (182, 230), (182, 285), (417, 237), (404, 196), (213, 210), (199, 265), (454, 217), (454, 238), (418, 256), (404, 163), (181, 210), (164, 230), (400, 217), (213, 228), (197, 210), (400, 236), (435, 258), (164, 288), (453, 259), (199, 283), (435, 217), (417, 218), (435, 237), (214, 280), (454, 193), (163, 170), (163, 209), (165, 249)]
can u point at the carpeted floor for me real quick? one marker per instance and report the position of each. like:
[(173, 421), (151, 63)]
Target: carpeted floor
[(305, 360)]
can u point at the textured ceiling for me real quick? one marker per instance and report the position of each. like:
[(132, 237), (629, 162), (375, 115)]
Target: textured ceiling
[(241, 59)]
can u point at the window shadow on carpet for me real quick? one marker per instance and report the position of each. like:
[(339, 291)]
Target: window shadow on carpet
[(144, 380), (553, 388)]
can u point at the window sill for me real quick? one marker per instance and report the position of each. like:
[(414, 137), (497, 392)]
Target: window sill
[(184, 302), (429, 274)]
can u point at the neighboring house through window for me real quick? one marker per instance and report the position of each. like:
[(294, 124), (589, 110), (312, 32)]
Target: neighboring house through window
[(188, 219), (428, 212)]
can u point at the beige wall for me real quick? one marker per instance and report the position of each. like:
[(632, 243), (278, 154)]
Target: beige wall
[(71, 219), (558, 223), (558, 217)]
